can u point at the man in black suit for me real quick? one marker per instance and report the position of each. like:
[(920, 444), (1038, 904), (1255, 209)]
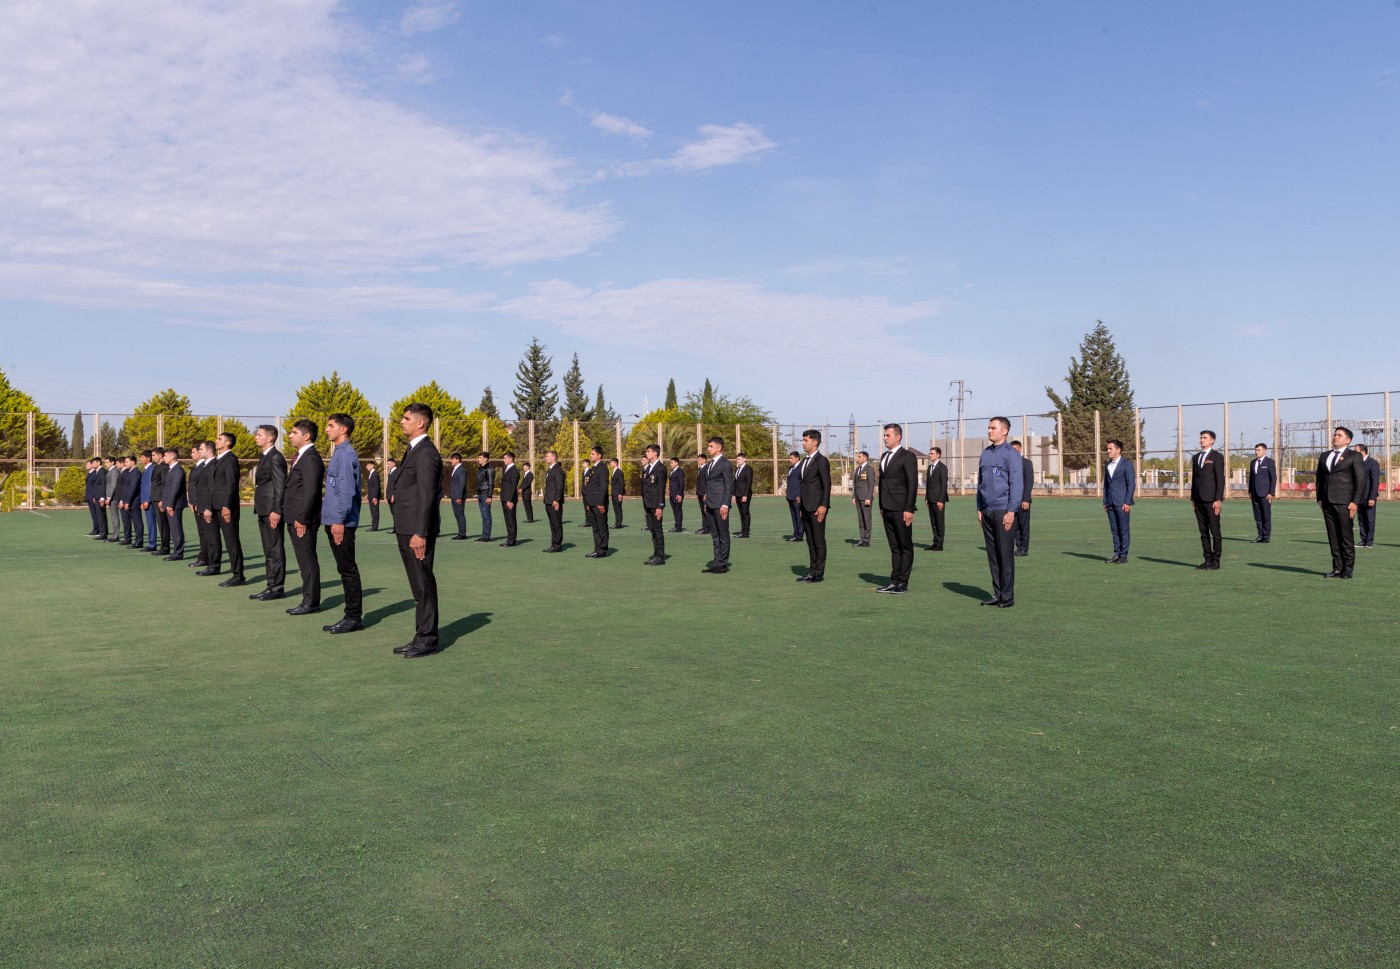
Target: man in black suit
[(485, 488), (225, 504), (160, 537), (1021, 531), (743, 491), (1366, 511), (416, 495), (676, 487), (1207, 492), (899, 497), (1341, 488), (936, 495), (138, 517), (814, 477), (527, 492), (718, 485), (1263, 487), (863, 496), (700, 461), (92, 492), (197, 492), (793, 492), (269, 493), (373, 492), (510, 496), (174, 501), (654, 479), (129, 489), (554, 500), (301, 509), (617, 487), (111, 484), (457, 490), (391, 469), (595, 496)]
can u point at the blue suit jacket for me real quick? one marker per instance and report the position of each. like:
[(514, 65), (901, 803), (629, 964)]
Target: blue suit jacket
[(145, 496), (1265, 482), (1119, 487), (1373, 479)]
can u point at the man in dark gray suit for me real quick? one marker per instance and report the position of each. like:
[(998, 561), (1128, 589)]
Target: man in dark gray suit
[(595, 497), (160, 535), (899, 497), (373, 492), (226, 504), (718, 490), (793, 491), (617, 487), (1341, 485), (936, 495), (863, 490), (1021, 532), (112, 523), (269, 490), (174, 501), (510, 496), (814, 475), (457, 492), (676, 485), (1366, 510), (654, 479)]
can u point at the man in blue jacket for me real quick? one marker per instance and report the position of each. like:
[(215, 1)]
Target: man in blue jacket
[(1366, 508), (1263, 488), (340, 514), (1119, 489), (999, 493)]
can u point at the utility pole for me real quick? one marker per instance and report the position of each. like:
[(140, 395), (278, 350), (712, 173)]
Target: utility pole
[(960, 398)]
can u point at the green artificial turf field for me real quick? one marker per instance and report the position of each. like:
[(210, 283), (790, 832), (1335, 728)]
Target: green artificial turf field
[(614, 765)]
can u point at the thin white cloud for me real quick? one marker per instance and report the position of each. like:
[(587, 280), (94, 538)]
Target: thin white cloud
[(426, 16), (714, 316), (1256, 331), (555, 40), (201, 136), (614, 124), (718, 145)]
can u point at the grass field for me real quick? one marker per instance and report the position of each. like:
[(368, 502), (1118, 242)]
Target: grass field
[(613, 765)]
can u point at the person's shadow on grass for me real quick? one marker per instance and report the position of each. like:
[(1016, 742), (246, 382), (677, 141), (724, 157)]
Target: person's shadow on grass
[(459, 628), (1085, 555), (1184, 565), (870, 578), (1283, 568), (971, 591)]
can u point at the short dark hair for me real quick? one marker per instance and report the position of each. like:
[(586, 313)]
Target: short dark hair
[(146, 454), (813, 433), (1017, 444), (307, 427), (654, 449), (893, 427), (794, 454), (392, 458), (509, 454), (1003, 421), (525, 464), (344, 420), (173, 450), (1262, 445), (612, 460), (455, 454), (1344, 430), (1211, 433), (157, 450), (484, 454), (863, 453), (1116, 443), (936, 450), (702, 457), (1364, 449), (741, 454), (675, 459), (716, 440), (420, 409), (595, 449), (553, 452), (208, 444), (270, 429), (232, 438)]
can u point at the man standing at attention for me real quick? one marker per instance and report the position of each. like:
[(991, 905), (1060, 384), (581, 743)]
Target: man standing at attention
[(1341, 485), (999, 492), (654, 479), (225, 504), (554, 500), (814, 477), (704, 528), (1207, 491), (457, 488), (391, 468), (899, 497), (1366, 510), (301, 507), (173, 501), (617, 487), (936, 495), (373, 490), (527, 492), (416, 493), (269, 491), (159, 468), (718, 485), (677, 489), (793, 492), (148, 502), (743, 491), (1021, 533), (510, 495), (340, 514), (863, 496), (485, 487), (1119, 488), (595, 496), (1263, 487)]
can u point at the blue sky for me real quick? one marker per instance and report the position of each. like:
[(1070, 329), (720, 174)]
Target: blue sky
[(832, 208)]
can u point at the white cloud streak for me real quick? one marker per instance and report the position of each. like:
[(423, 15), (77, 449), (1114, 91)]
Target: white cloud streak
[(425, 17), (617, 125), (718, 145)]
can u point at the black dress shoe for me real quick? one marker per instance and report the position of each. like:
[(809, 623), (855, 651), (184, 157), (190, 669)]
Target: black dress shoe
[(417, 650), (814, 577), (595, 554), (303, 610), (199, 564), (1203, 567), (1006, 604), (459, 538), (887, 588), (805, 578), (258, 595), (1346, 574), (508, 545), (1334, 574), (233, 581), (344, 626), (991, 602), (207, 572), (1019, 554), (555, 548), (675, 530), (717, 569), (161, 552), (174, 558), (483, 538), (400, 650), (899, 590), (1215, 566)]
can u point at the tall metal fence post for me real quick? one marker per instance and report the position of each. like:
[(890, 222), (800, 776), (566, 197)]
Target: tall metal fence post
[(775, 459), (1098, 444), (1180, 454), (578, 472), (97, 433), (699, 443), (160, 431), (486, 434), (1137, 440), (618, 436), (1278, 440), (437, 432), (219, 428), (1060, 447), (29, 458), (661, 441), (738, 440), (1226, 451), (532, 444), (1326, 431), (1389, 450), (384, 443)]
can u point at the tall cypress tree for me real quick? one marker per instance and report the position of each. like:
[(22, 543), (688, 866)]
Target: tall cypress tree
[(601, 410), (671, 402), (575, 399), (76, 442), (707, 402), (535, 396), (1098, 381), (488, 405)]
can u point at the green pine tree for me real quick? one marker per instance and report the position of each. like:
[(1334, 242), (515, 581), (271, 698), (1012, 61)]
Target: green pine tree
[(535, 396), (488, 405), (671, 401), (575, 406), (1098, 380), (14, 433), (332, 395), (78, 439)]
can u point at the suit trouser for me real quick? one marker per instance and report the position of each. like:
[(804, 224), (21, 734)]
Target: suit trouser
[(126, 525), (743, 507), (483, 505), (815, 532), (163, 521), (344, 555), (1001, 554), (1340, 536), (423, 584), (529, 509), (94, 509), (177, 531), (1208, 521), (509, 514), (1263, 515), (274, 552), (1021, 531), (658, 538), (374, 514), (678, 511), (1118, 527), (114, 516), (152, 529), (704, 516), (617, 512), (556, 523), (1366, 518), (719, 536), (901, 539), (214, 544), (138, 520), (459, 511), (795, 510), (864, 513), (600, 529), (936, 516), (228, 531), (308, 564)]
